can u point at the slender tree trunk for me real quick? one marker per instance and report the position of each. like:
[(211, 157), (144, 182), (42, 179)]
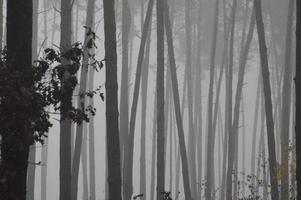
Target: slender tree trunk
[(144, 90), (231, 138), (1, 25), (254, 131), (286, 102), (124, 93), (243, 149), (191, 134), (209, 172), (225, 144), (160, 101), (128, 157), (85, 195), (82, 100), (31, 171), (298, 100), (91, 140), (44, 152), (154, 140), (65, 124), (268, 101), (113, 148), (199, 107), (176, 101)]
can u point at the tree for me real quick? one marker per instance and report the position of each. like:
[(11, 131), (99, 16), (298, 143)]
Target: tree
[(160, 101), (144, 90), (17, 139), (176, 100), (298, 99), (286, 102), (209, 173), (267, 99), (124, 96), (191, 134), (32, 150), (65, 123), (113, 148)]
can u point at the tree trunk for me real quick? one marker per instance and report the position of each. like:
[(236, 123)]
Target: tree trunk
[(154, 140), (298, 100), (254, 131), (286, 102), (113, 148), (176, 100), (31, 171), (160, 101), (233, 136), (65, 123), (85, 195), (91, 140), (191, 134), (15, 144), (209, 172), (128, 154), (1, 25), (199, 138), (268, 100), (231, 147), (44, 152), (124, 93), (144, 89)]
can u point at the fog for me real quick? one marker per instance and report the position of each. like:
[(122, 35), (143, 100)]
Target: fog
[(223, 87)]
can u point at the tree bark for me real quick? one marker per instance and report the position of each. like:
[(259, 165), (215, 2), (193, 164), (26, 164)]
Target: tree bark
[(298, 100), (286, 102), (144, 90), (113, 148), (31, 171), (154, 140), (160, 101), (65, 123), (91, 140), (191, 134), (268, 100), (15, 144), (209, 172), (124, 93)]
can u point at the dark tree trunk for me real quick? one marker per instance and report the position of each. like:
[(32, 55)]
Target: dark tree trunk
[(209, 172), (32, 149), (160, 101), (154, 142), (124, 95), (268, 100), (144, 90), (65, 123), (15, 144), (113, 148), (286, 102), (298, 100), (191, 134)]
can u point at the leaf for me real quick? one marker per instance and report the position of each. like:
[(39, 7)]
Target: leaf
[(102, 96)]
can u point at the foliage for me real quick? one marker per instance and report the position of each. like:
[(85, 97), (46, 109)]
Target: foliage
[(26, 93)]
